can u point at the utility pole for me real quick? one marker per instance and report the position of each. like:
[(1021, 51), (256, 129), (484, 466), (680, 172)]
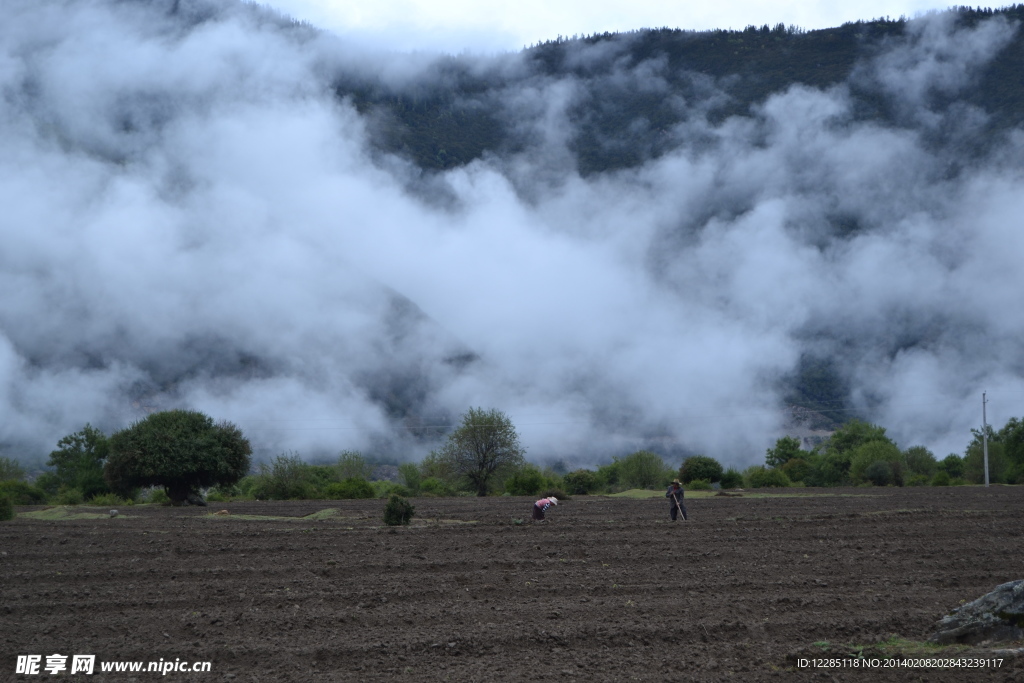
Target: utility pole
[(984, 435)]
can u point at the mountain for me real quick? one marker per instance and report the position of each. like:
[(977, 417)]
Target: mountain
[(460, 115), (657, 239)]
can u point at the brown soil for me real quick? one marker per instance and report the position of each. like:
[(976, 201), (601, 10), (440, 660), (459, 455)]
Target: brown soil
[(608, 590)]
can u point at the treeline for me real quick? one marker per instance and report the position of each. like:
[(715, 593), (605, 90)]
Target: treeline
[(482, 456), (861, 454)]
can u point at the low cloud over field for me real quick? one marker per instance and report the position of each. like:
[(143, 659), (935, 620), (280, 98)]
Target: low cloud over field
[(193, 218)]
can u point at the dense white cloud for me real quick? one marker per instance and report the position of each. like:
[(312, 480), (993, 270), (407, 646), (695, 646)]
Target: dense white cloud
[(192, 218)]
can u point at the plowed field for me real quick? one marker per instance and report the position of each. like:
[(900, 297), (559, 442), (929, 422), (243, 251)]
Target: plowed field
[(609, 590)]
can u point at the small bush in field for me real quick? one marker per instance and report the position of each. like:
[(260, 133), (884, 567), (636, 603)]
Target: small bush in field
[(699, 485), (398, 511), (6, 508), (941, 478)]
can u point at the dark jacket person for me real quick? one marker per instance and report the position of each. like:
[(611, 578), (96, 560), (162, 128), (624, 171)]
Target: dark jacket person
[(675, 495)]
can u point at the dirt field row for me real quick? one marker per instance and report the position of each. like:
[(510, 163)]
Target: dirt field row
[(610, 590)]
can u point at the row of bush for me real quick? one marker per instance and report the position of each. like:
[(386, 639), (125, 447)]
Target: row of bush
[(857, 454), (861, 454)]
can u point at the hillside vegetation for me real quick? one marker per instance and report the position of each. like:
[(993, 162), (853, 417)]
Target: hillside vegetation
[(635, 87)]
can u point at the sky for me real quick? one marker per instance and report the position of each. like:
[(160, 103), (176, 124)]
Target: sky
[(194, 219), (487, 26)]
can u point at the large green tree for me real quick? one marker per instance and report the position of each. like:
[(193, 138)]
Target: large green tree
[(181, 450), (831, 460), (864, 457), (999, 464), (79, 460), (787, 448), (485, 444), (700, 467), (642, 470)]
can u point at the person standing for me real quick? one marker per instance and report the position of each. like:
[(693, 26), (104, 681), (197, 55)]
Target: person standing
[(675, 494), (541, 506)]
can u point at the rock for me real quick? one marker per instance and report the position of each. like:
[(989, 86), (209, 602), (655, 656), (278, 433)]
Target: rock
[(996, 617), (113, 513)]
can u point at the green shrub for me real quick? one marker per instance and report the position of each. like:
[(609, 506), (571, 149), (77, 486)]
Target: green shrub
[(731, 479), (953, 465), (384, 489), (700, 485), (958, 481), (642, 470), (22, 493), (48, 482), (6, 508), (69, 495), (79, 461), (580, 482), (879, 473), (527, 481), (352, 465), (287, 477), (796, 469), (10, 469), (268, 488), (225, 494), (411, 477), (156, 496), (700, 467), (608, 477), (433, 486), (917, 480), (107, 499), (941, 478), (920, 460), (786, 448), (758, 477), (864, 456), (398, 511), (974, 463), (349, 489), (555, 492)]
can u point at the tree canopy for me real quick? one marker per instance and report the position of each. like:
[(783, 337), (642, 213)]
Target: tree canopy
[(787, 448), (700, 467), (79, 460), (642, 470), (484, 444), (181, 450)]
